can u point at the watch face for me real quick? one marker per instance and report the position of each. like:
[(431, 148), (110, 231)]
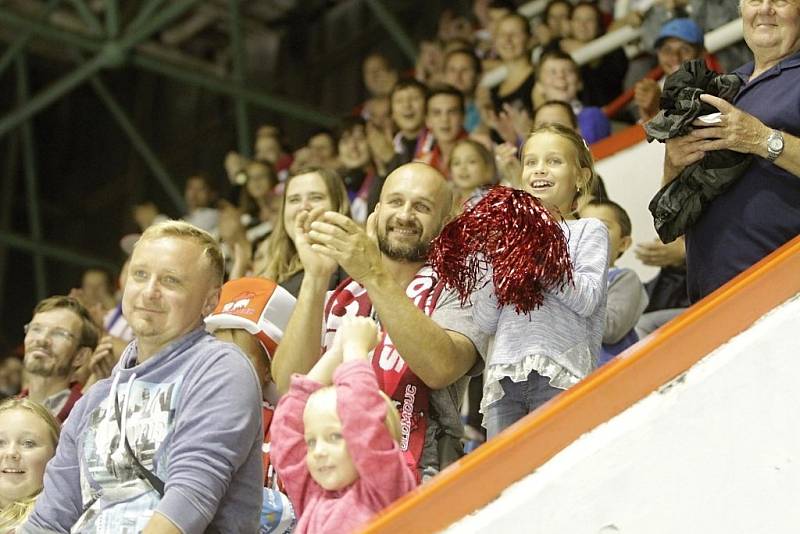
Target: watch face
[(776, 144)]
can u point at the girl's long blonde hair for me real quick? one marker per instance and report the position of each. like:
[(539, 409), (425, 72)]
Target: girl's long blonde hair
[(17, 512), (283, 261)]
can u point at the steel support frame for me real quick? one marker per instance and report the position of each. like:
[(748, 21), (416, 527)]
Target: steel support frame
[(7, 194), (144, 13), (18, 45), (112, 18), (31, 179), (394, 28), (55, 252), (227, 87), (186, 75), (237, 46), (48, 31), (139, 143), (167, 15), (111, 53), (48, 95), (88, 18)]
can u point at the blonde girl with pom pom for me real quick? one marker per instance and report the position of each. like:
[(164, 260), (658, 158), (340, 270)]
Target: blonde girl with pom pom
[(537, 355)]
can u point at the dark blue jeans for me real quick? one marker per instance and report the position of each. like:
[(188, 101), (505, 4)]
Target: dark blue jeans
[(520, 399)]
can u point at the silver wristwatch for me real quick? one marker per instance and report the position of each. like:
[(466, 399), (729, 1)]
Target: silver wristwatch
[(774, 145)]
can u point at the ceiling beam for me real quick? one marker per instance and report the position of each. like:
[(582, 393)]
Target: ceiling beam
[(55, 252), (31, 179), (140, 58), (111, 53), (88, 17), (238, 74), (139, 143), (20, 42)]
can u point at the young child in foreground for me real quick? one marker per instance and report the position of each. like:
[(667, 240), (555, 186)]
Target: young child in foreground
[(28, 439), (627, 298), (539, 354), (335, 446)]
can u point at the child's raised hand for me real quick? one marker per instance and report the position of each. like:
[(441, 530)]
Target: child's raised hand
[(358, 336)]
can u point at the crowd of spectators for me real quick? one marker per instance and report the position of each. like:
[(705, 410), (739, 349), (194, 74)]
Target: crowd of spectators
[(285, 356)]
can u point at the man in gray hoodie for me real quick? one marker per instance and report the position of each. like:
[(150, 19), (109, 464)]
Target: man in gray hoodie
[(171, 442)]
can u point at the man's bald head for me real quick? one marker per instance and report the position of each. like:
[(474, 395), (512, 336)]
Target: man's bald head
[(427, 177), (416, 200)]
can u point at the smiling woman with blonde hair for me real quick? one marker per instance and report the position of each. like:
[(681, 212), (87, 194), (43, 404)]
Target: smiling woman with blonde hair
[(277, 258), (28, 438)]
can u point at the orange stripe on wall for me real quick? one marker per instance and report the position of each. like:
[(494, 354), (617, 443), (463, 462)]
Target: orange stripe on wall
[(618, 142), (616, 105), (481, 476)]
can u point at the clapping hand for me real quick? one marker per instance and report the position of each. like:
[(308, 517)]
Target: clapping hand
[(340, 239), (314, 263)]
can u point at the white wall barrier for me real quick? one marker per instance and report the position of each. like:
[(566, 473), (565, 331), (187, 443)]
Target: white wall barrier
[(632, 177), (716, 451)]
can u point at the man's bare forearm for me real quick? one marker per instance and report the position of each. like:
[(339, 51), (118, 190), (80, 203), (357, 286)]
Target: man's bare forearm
[(430, 351)]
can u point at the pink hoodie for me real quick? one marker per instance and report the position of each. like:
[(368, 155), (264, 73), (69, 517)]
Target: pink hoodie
[(383, 473)]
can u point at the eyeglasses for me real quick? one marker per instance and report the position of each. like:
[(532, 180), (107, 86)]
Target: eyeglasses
[(58, 334)]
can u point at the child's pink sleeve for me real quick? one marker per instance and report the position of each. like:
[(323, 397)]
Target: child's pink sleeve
[(288, 445), (380, 463)]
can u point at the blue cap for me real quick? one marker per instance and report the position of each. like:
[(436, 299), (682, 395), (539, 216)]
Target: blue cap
[(684, 29)]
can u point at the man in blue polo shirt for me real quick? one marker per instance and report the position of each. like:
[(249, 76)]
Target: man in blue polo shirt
[(761, 211)]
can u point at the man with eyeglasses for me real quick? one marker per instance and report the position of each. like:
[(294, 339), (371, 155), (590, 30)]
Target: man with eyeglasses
[(59, 338)]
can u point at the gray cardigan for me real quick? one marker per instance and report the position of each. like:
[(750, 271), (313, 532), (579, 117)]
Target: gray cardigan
[(568, 328)]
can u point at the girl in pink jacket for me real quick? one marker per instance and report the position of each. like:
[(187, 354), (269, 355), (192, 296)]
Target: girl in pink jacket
[(333, 446)]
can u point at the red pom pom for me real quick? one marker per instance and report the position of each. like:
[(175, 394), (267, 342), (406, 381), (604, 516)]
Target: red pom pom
[(513, 233)]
